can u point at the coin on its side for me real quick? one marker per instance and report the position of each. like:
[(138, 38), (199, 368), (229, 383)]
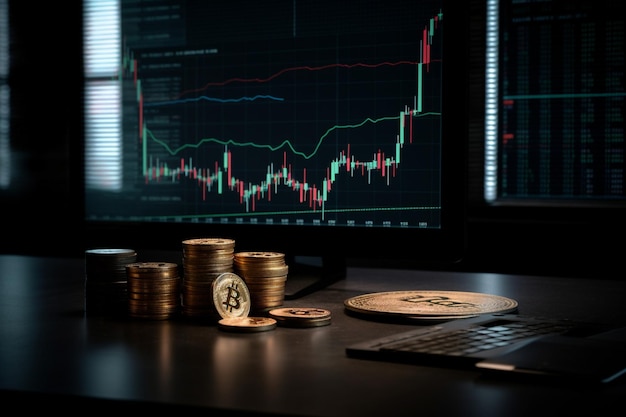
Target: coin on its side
[(301, 316), (247, 324)]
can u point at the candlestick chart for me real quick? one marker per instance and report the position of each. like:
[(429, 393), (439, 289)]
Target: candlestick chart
[(320, 124)]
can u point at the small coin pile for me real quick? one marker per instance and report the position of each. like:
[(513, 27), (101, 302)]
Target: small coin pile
[(265, 274), (105, 280), (204, 259), (153, 290), (217, 283)]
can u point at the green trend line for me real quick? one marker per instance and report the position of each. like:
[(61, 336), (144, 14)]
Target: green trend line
[(286, 142)]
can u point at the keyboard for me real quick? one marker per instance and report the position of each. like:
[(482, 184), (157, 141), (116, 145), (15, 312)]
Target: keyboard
[(464, 342)]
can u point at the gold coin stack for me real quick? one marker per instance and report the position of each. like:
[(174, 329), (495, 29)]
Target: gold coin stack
[(153, 290), (265, 274), (105, 281), (204, 259)]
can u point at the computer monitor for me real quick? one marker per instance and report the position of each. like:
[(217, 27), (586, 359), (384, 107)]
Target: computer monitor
[(546, 136), (320, 129)]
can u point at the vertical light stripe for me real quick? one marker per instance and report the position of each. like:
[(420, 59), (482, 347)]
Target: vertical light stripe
[(103, 119), (490, 179)]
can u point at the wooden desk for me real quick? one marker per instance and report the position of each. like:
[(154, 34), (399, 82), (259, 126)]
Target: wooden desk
[(52, 354)]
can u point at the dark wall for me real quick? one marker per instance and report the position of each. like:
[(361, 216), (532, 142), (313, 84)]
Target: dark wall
[(42, 205)]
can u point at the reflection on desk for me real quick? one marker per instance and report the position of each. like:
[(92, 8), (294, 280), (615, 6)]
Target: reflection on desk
[(50, 350)]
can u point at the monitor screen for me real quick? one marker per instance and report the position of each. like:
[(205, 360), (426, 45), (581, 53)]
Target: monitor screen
[(313, 128), (554, 120)]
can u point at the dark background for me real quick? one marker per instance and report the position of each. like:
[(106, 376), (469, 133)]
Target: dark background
[(42, 210)]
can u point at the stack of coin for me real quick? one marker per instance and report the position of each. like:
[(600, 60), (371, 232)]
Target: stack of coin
[(265, 274), (204, 259), (105, 280), (153, 290)]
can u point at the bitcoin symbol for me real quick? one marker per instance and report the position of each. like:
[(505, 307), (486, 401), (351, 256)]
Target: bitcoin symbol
[(231, 296), (306, 312), (232, 299), (438, 300)]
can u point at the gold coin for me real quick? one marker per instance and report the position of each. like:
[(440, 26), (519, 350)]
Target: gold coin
[(231, 296), (152, 266), (430, 303), (208, 244), (301, 313), (209, 241), (301, 316), (247, 324), (151, 270), (265, 256)]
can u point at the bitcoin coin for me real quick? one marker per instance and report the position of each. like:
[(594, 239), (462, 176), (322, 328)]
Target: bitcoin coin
[(209, 242), (231, 296), (247, 324), (429, 304), (301, 316)]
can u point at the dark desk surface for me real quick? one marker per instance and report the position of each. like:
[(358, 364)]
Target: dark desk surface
[(50, 351)]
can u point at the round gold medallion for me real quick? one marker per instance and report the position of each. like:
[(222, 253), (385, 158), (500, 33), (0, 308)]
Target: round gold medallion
[(430, 304)]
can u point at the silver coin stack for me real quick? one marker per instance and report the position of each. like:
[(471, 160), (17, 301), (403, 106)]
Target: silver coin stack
[(105, 281)]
